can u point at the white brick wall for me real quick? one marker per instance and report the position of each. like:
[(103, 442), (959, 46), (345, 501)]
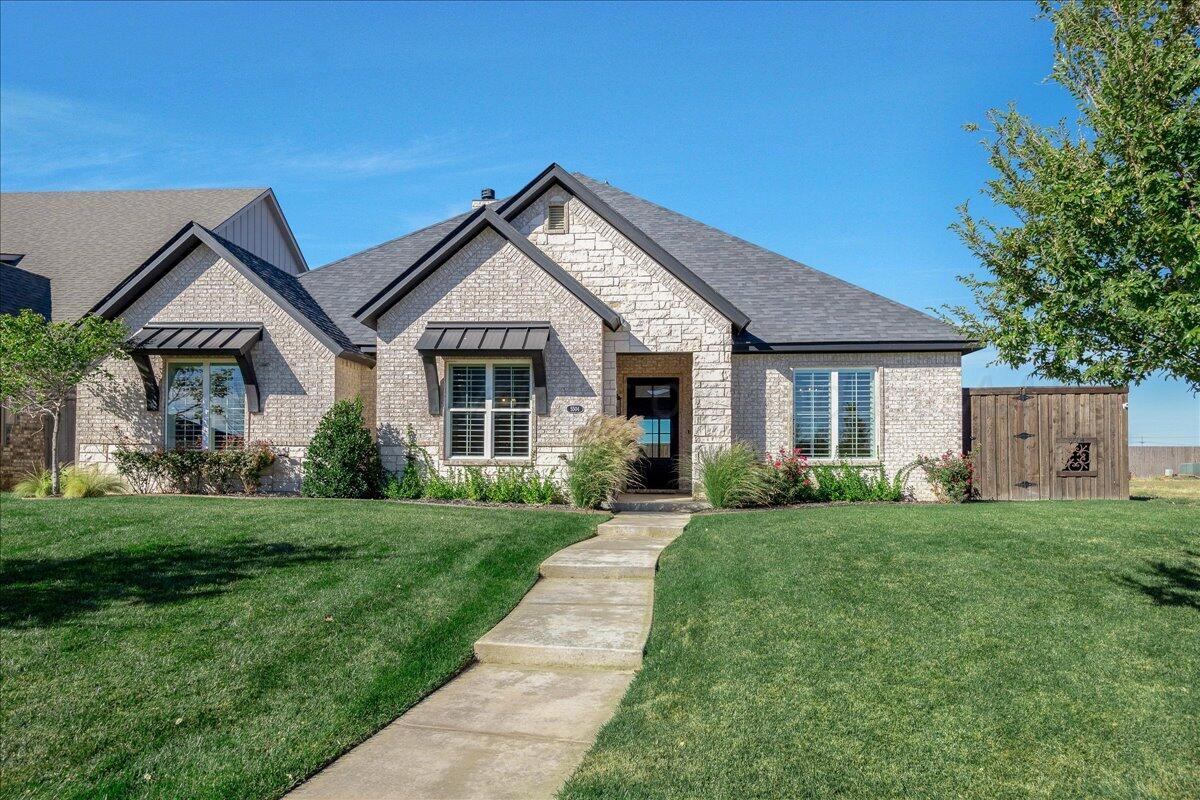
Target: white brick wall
[(920, 403), (488, 280), (662, 314), (296, 373)]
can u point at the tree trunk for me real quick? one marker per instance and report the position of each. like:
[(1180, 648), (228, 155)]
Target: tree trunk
[(54, 455)]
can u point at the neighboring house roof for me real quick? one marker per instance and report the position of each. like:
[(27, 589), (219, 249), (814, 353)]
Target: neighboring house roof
[(783, 305), (475, 223), (86, 242), (21, 289), (282, 287)]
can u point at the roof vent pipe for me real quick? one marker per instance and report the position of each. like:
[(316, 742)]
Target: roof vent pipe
[(485, 196)]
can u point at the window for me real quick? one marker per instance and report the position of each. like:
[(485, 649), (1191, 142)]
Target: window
[(206, 406), (833, 413), (488, 412), (556, 218)]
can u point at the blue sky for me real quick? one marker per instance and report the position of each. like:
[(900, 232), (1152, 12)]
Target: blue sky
[(831, 133)]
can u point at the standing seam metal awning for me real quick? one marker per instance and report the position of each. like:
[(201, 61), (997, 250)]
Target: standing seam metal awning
[(485, 339), (234, 339)]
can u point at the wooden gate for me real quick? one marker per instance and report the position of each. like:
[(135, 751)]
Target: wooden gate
[(1048, 443)]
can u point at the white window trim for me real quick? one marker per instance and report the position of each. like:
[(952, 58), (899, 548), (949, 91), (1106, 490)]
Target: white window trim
[(877, 406), (206, 401), (489, 412)]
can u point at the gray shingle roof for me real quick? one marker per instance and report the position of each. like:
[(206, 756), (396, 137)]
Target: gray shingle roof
[(88, 242), (20, 289), (289, 288), (342, 286), (786, 301)]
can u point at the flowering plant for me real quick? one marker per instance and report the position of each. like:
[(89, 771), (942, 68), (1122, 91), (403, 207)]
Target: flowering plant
[(951, 475), (789, 478)]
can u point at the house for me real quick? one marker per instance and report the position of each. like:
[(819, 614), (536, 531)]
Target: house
[(63, 251), (495, 334)]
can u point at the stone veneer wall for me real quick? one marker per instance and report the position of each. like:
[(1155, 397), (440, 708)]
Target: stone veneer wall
[(296, 372), (663, 365), (662, 314), (488, 280), (24, 446), (920, 402)]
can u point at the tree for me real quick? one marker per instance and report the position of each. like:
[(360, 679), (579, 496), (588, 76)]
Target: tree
[(42, 362), (342, 458), (1099, 279)]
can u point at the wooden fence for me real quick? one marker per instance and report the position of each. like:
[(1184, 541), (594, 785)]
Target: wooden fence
[(1149, 461), (1048, 443)]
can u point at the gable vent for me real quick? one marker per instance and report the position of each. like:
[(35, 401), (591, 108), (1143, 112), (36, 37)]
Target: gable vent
[(556, 218)]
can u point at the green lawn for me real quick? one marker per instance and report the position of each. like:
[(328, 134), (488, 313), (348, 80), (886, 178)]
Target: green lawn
[(1046, 650), (214, 648)]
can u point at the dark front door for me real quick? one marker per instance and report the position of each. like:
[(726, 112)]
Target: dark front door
[(656, 400)]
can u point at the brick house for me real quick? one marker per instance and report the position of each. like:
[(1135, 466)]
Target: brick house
[(498, 332)]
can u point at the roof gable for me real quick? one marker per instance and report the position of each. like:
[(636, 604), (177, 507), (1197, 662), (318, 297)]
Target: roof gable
[(556, 175), (281, 287), (475, 223)]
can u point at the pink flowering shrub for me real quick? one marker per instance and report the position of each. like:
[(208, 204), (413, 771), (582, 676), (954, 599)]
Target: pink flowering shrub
[(789, 478), (952, 475)]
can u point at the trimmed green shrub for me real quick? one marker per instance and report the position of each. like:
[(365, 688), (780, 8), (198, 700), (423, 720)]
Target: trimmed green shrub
[(540, 490), (602, 465), (141, 469), (342, 458), (478, 485), (734, 477), (184, 469)]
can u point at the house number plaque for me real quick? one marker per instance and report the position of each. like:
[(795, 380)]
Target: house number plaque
[(574, 409)]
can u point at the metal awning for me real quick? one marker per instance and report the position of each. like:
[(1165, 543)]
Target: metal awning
[(485, 340), (230, 339)]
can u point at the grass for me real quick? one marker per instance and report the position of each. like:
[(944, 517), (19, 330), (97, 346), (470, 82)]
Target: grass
[(217, 648), (1179, 487), (1000, 650)]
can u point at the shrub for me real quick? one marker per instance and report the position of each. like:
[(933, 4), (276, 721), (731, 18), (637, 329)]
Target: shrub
[(90, 482), (35, 483), (478, 485), (602, 464), (342, 459), (445, 487), (218, 469), (253, 462), (141, 469), (789, 479), (508, 487), (734, 477), (951, 475), (409, 485), (183, 469), (541, 490)]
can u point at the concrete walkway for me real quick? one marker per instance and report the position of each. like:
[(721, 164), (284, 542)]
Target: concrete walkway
[(517, 723)]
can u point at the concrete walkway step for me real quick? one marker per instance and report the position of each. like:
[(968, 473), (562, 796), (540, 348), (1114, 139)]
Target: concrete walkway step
[(645, 524), (568, 635), (605, 558)]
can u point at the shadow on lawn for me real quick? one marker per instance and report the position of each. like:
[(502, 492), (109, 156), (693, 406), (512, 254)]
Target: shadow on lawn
[(45, 591), (1176, 584)]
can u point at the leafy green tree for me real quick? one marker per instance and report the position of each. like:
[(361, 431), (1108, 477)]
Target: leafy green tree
[(1098, 280), (41, 364), (342, 458)]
